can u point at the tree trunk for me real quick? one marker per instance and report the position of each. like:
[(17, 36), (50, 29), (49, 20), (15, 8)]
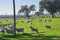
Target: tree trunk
[(53, 15), (28, 18), (38, 18), (27, 15)]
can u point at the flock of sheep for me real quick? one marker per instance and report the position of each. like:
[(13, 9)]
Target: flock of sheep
[(11, 28)]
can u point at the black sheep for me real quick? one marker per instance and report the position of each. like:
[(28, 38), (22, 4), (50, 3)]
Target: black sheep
[(20, 30), (34, 29), (49, 20), (47, 26), (22, 21)]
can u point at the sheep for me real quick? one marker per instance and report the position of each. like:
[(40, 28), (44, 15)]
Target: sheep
[(22, 21), (49, 20), (2, 30), (10, 25), (29, 22), (6, 20), (32, 19), (20, 30), (34, 29), (39, 20), (47, 26), (45, 20), (0, 22), (9, 30)]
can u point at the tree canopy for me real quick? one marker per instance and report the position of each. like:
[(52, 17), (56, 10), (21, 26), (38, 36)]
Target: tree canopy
[(27, 9), (51, 6)]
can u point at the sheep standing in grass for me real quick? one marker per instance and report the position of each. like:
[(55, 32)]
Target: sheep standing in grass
[(40, 21), (10, 25), (47, 26), (20, 30), (2, 30), (9, 30), (29, 21), (49, 20), (0, 22), (44, 20), (34, 29), (22, 21)]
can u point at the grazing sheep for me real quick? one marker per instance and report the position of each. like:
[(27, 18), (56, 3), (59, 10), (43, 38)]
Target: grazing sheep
[(34, 29), (0, 22), (6, 20), (10, 25), (47, 26), (32, 19), (20, 30), (49, 20), (29, 22), (9, 30), (22, 21), (39, 20), (45, 20), (2, 30)]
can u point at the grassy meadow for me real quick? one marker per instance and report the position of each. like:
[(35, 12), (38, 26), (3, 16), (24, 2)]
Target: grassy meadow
[(44, 33)]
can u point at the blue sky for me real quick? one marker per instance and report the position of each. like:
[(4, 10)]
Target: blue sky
[(6, 6)]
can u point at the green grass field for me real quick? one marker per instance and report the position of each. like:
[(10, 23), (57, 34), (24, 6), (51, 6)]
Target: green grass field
[(44, 33)]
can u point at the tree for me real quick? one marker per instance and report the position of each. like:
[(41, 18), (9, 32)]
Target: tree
[(38, 14), (25, 9), (51, 6), (41, 6)]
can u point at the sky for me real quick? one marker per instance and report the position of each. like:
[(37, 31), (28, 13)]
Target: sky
[(6, 6)]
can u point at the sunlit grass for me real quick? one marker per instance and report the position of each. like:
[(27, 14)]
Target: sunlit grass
[(54, 31)]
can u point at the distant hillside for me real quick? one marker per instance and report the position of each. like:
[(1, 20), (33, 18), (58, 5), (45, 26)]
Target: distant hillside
[(11, 16)]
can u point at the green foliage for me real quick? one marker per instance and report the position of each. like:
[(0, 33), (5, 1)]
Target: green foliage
[(25, 9), (51, 6)]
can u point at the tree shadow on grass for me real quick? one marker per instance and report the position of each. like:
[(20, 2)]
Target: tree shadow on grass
[(27, 36), (39, 37), (1, 38), (10, 36)]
